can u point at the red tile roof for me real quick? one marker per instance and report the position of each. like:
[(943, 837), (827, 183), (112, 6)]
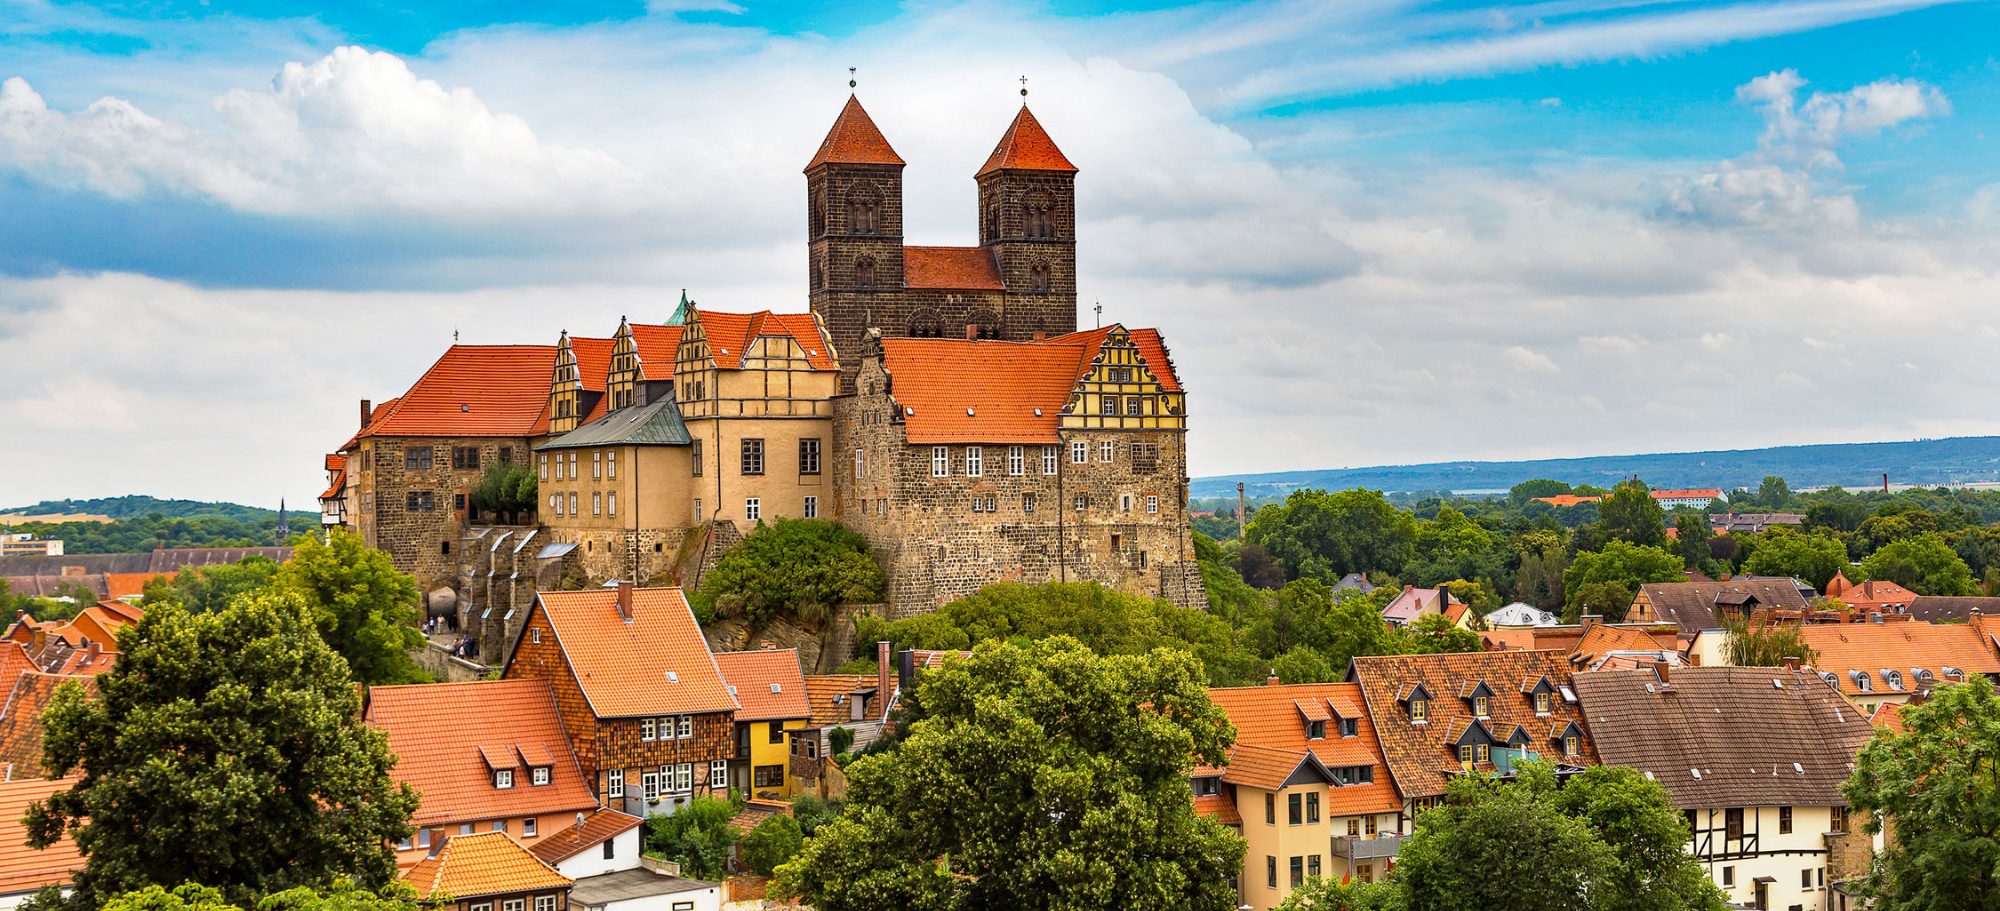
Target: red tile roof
[(593, 360), (1702, 493), (376, 415), (444, 733), (1219, 806), (656, 346), (28, 693), (752, 678), (656, 664), (127, 585), (333, 488), (335, 461), (25, 869), (730, 334), (1025, 147), (599, 826), (1151, 347), (954, 268), (481, 864), (473, 391), (854, 139), (1270, 724), (821, 689), (1905, 647), (1001, 384), (1888, 717)]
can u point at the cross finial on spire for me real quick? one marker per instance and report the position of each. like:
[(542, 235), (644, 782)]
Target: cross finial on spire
[(454, 336), (1024, 91), (1100, 314), (852, 84)]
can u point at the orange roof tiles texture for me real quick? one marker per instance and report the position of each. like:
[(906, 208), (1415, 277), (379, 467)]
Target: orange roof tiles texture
[(473, 391), (656, 664), (730, 334), (751, 677), (1219, 806), (1903, 647), (481, 864), (1269, 718), (854, 139), (821, 690), (953, 268), (569, 841), (656, 346), (28, 693), (127, 585), (446, 736), (1000, 384), (1025, 147), (24, 869), (1888, 717)]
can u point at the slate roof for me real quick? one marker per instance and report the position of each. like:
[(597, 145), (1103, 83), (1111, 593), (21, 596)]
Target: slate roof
[(1758, 736), (1025, 147), (951, 268), (731, 334), (624, 667), (854, 139), (447, 737), (482, 864), (752, 678), (1692, 605), (1271, 740), (1520, 614), (599, 826), (473, 391), (1423, 757), (1935, 608), (24, 869), (1904, 646), (652, 424)]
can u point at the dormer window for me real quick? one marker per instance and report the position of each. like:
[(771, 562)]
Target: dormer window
[(1479, 707), (1892, 677), (1315, 730), (1417, 698), (1862, 681), (503, 778), (1478, 695), (1572, 744), (539, 775), (1541, 703), (1350, 727), (1420, 711), (1207, 787)]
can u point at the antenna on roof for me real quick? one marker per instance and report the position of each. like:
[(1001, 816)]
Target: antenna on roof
[(851, 84), (1024, 91)]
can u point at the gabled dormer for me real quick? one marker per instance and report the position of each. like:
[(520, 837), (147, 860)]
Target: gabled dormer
[(1542, 693), (1345, 724), (1121, 388), (500, 766), (1478, 697), (1416, 700), (1517, 738), (1568, 738), (1475, 743), (1313, 713), (566, 406)]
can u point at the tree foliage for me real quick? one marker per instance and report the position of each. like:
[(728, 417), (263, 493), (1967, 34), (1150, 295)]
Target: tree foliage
[(1328, 535), (1755, 644), (363, 607), (1628, 564), (774, 841), (507, 489), (803, 568), (1813, 558), (226, 749), (1940, 783), (1924, 564), (1322, 894), (1041, 777), (340, 896), (1630, 514), (211, 588), (697, 836)]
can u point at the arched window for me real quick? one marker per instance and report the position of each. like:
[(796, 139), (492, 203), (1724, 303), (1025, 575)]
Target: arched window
[(864, 211), (816, 213), (927, 324), (985, 323), (1038, 278), (1041, 212), (864, 273), (992, 216)]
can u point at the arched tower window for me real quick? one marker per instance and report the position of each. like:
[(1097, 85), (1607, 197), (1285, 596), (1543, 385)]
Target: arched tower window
[(1038, 277), (927, 323), (864, 273), (1041, 215), (992, 208), (984, 322), (816, 213), (864, 211)]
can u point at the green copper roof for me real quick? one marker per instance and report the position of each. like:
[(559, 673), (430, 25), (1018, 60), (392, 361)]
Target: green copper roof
[(681, 312), (653, 424)]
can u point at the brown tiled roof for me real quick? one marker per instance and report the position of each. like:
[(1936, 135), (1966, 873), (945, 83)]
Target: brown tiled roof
[(754, 813), (1692, 605), (1272, 718), (25, 869), (1423, 757), (655, 664), (730, 334), (821, 690), (448, 737), (599, 826), (28, 692), (753, 676), (1905, 647), (951, 268), (1025, 147), (1727, 736), (473, 391), (1935, 608), (481, 864), (854, 139)]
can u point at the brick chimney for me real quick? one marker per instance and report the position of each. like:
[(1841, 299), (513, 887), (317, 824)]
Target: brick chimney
[(367, 411), (884, 683), (91, 649), (971, 332), (1664, 672), (1587, 621), (625, 601), (1271, 680), (1791, 662)]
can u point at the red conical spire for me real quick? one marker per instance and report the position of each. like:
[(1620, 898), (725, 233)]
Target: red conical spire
[(1026, 147), (854, 139)]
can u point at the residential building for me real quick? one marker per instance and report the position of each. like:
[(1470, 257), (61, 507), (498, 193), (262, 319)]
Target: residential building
[(772, 694), (1696, 498), (1590, 640), (968, 462), (1520, 616), (651, 886), (1873, 663), (1357, 581), (642, 701), (116, 576), (1441, 716), (1946, 609), (513, 771), (1697, 606), (1871, 597), (856, 702), (28, 691), (25, 871), (594, 843), (22, 544), (1306, 786), (1750, 523), (1617, 646), (1755, 758), (488, 871), (1413, 603)]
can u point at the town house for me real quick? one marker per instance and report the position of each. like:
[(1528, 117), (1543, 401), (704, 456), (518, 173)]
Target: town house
[(772, 692), (1876, 663)]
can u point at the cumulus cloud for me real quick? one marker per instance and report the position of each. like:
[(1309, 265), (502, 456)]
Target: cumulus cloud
[(1529, 360)]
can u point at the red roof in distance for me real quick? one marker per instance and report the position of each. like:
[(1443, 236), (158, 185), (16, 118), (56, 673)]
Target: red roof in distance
[(956, 268)]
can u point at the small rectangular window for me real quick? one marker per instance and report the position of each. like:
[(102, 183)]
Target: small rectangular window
[(940, 461), (1132, 406), (539, 775), (753, 457), (596, 465), (1051, 457), (1079, 452), (694, 455), (812, 507), (614, 784), (596, 503), (503, 778), (499, 825), (809, 456), (572, 503), (1107, 404), (718, 775), (506, 453), (1017, 461), (1152, 503), (611, 503), (975, 461), (545, 903), (646, 732), (1312, 809), (1298, 871), (1082, 502), (417, 458), (1732, 823), (1785, 821), (753, 509), (860, 464), (611, 464), (1270, 809), (543, 462), (1295, 809), (1270, 870), (1027, 502), (1106, 450)]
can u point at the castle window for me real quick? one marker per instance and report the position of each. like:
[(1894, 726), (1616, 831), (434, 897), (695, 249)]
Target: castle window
[(1152, 503), (1038, 278), (1132, 408), (611, 464), (940, 462), (419, 501), (458, 501), (864, 211), (555, 503), (1124, 502), (1079, 452), (1027, 502), (809, 455), (1082, 502), (611, 503), (975, 461), (506, 453), (1016, 461), (812, 507), (417, 458), (1050, 456), (927, 325), (864, 273), (978, 504), (816, 213), (694, 453), (572, 504), (544, 466), (1041, 212), (1107, 405), (860, 463), (465, 457), (753, 457), (596, 503), (753, 509), (1105, 450), (596, 465), (697, 510)]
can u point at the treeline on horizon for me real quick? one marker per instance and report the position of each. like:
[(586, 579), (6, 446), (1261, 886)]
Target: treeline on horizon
[(141, 523)]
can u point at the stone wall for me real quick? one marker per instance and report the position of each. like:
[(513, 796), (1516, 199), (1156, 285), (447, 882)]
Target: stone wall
[(421, 542), (500, 569)]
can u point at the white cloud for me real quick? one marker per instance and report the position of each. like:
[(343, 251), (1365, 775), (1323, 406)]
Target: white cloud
[(1529, 360)]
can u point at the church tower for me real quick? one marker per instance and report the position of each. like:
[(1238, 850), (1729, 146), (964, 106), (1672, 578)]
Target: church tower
[(854, 227), (1027, 217)]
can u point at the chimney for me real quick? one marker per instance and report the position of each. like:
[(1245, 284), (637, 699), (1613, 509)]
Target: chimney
[(971, 332), (625, 601), (1589, 620), (1791, 662), (91, 649), (1041, 336), (906, 669), (1664, 671), (367, 411), (1271, 680)]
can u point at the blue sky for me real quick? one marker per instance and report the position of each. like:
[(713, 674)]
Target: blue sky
[(1372, 232)]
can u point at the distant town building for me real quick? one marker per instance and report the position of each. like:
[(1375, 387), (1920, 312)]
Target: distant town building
[(1696, 498), (24, 544), (1750, 523)]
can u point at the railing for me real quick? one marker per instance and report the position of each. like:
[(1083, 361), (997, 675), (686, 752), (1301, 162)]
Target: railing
[(1368, 847)]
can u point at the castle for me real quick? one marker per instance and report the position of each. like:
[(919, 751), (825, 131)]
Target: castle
[(940, 401)]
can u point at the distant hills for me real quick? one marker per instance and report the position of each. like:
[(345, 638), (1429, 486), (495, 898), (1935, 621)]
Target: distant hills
[(134, 506), (1922, 463)]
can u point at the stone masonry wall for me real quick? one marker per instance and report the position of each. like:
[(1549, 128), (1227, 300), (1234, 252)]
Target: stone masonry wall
[(424, 543)]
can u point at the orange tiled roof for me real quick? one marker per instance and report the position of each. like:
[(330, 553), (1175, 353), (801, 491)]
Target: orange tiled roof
[(1025, 147), (593, 360), (854, 139), (1704, 493), (376, 416), (657, 346), (821, 690), (1905, 647), (730, 334), (954, 268), (24, 869), (333, 489), (598, 827), (473, 391), (335, 461), (1001, 384), (1262, 767), (1888, 717), (444, 757), (657, 664), (1495, 640), (483, 863), (1219, 806), (1151, 347), (1269, 721), (21, 730), (754, 813), (1567, 499), (129, 585), (751, 677)]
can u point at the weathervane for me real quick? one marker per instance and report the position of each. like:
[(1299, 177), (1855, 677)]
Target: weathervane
[(851, 83)]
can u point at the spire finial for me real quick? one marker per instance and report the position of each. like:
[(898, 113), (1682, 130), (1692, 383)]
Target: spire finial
[(851, 83), (454, 336), (1100, 314), (1024, 90)]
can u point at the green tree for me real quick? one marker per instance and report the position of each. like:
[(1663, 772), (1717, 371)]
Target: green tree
[(1550, 856), (1773, 494), (1041, 777), (226, 749), (774, 841), (1454, 547), (506, 489), (1538, 580), (211, 588), (1692, 535), (1229, 595), (1520, 494), (1623, 562), (1305, 665), (1924, 564), (1766, 644), (1328, 535), (1434, 633), (363, 607), (341, 896), (697, 836), (1322, 894), (1814, 558), (1630, 514), (1635, 817), (1609, 600), (803, 568), (1940, 782), (812, 812), (1884, 529)]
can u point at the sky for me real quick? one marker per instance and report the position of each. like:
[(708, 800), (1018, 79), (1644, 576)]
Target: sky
[(1374, 231)]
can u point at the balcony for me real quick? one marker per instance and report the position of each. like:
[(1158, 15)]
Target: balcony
[(1368, 847)]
